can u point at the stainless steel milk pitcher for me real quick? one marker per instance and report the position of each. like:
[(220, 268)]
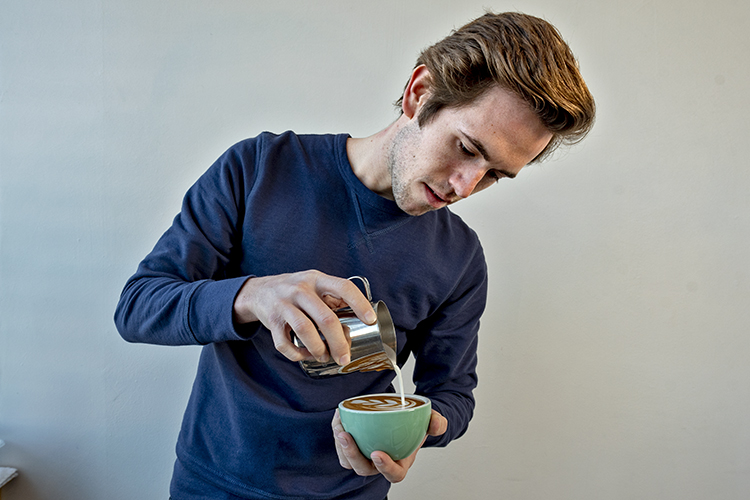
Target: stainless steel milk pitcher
[(372, 346)]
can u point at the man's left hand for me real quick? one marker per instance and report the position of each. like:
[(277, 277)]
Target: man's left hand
[(379, 462)]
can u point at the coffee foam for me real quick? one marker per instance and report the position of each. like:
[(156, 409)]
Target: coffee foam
[(381, 402), (371, 363)]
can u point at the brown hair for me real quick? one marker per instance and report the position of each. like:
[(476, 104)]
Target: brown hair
[(521, 53)]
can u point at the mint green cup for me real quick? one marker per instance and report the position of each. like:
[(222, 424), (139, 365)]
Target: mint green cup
[(397, 431)]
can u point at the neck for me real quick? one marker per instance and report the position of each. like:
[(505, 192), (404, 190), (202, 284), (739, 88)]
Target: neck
[(368, 157)]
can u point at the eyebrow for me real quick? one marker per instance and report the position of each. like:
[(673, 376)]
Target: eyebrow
[(486, 156)]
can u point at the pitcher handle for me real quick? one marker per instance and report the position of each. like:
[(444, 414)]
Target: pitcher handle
[(365, 283)]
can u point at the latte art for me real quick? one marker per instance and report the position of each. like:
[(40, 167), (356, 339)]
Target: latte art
[(371, 363), (381, 402)]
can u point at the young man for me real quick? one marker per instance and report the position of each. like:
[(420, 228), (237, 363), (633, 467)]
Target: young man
[(267, 236)]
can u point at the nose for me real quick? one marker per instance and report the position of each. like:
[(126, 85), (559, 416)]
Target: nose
[(465, 179)]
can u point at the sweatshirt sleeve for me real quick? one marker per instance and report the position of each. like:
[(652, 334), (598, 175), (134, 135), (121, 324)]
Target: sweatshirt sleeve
[(183, 291), (445, 352)]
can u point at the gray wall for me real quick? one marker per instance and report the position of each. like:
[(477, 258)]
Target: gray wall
[(614, 352)]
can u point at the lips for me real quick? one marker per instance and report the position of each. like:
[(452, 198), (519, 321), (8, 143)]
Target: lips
[(434, 199)]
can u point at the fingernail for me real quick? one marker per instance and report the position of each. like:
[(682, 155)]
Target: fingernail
[(344, 360), (371, 317), (377, 460)]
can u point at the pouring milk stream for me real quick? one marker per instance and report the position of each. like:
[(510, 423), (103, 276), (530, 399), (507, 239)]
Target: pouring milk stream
[(373, 347), (392, 358)]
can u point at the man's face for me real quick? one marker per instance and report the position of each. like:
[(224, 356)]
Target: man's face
[(462, 151)]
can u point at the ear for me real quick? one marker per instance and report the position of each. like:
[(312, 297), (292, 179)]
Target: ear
[(416, 91)]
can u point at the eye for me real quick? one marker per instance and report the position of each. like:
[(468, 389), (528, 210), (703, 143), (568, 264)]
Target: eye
[(495, 175), (464, 150)]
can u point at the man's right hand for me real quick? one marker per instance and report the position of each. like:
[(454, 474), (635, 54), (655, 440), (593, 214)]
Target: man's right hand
[(303, 302)]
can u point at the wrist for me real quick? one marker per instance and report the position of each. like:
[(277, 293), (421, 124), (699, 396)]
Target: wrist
[(242, 311)]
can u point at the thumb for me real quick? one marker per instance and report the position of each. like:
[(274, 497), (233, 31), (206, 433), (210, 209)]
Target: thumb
[(438, 424)]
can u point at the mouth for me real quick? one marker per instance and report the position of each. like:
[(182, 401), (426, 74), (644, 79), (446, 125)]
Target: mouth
[(435, 200)]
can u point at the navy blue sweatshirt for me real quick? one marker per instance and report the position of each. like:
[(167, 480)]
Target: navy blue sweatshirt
[(256, 425)]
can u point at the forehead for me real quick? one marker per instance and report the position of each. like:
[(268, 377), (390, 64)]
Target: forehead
[(498, 106), (504, 124)]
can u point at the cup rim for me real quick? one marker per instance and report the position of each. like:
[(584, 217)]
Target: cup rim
[(424, 399)]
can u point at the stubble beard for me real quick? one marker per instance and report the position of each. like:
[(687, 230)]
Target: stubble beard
[(398, 166)]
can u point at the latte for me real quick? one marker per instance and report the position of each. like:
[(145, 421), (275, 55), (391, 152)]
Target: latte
[(379, 422), (381, 402)]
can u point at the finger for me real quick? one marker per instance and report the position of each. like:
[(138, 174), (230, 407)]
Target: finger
[(352, 457), (393, 471), (328, 324), (333, 302), (438, 424), (350, 293), (308, 335), (283, 344), (337, 429), (342, 291)]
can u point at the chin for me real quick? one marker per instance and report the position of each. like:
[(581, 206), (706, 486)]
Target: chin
[(411, 206), (418, 211)]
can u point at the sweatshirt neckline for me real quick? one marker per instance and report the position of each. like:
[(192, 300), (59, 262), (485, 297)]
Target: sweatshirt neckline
[(363, 193)]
